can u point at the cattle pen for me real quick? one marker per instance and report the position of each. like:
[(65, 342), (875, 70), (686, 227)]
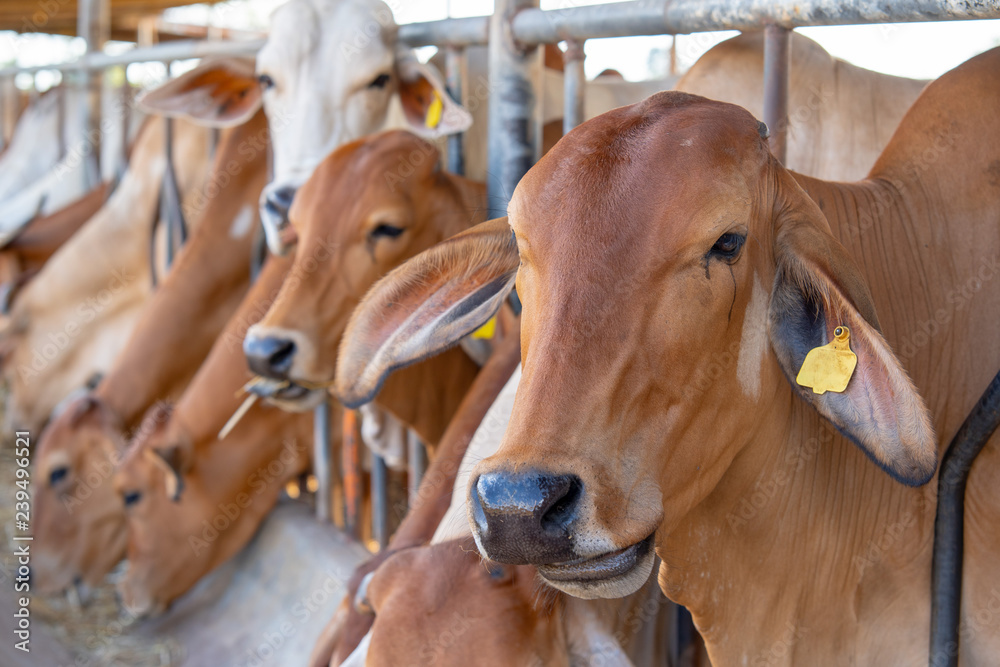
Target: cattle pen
[(512, 36)]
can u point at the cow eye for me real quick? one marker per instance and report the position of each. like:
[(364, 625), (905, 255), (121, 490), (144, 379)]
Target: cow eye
[(385, 230), (380, 81), (131, 498), (265, 81), (728, 246), (57, 475)]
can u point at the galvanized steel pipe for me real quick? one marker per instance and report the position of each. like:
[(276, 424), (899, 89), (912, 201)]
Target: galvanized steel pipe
[(380, 501), (453, 76), (658, 17), (574, 82), (323, 461), (777, 50), (511, 146)]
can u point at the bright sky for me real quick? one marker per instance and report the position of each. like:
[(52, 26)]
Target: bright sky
[(923, 50)]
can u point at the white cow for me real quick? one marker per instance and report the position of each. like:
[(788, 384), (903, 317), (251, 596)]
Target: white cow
[(42, 170), (48, 164), (330, 69)]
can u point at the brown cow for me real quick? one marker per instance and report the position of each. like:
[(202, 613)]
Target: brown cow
[(463, 611), (177, 535), (370, 205), (674, 277), (79, 527)]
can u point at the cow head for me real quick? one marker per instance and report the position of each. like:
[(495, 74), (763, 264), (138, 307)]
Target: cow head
[(369, 206), (673, 277), (78, 524), (467, 612), (182, 526), (328, 71)]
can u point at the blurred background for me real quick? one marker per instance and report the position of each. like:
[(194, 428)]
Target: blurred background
[(924, 50)]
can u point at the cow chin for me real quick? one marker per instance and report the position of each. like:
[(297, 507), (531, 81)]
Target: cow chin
[(614, 575)]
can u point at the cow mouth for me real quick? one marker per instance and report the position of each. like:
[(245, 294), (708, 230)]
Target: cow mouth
[(287, 394), (607, 566)]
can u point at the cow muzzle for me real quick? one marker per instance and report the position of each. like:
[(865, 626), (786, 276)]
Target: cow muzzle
[(534, 518), (525, 517), (269, 356), (275, 202)]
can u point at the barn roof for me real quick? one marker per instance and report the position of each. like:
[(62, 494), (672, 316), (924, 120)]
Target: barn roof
[(59, 16)]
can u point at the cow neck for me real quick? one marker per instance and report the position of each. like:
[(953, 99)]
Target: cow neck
[(181, 321), (426, 395), (822, 534), (213, 394)]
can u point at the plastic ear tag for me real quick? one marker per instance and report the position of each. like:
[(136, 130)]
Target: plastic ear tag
[(434, 111), (487, 330), (829, 367)]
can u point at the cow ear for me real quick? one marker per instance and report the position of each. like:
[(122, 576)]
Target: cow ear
[(817, 288), (429, 110), (425, 306), (218, 93)]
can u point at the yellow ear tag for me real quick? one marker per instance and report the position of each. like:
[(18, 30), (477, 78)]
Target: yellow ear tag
[(434, 111), (829, 367), (486, 331)]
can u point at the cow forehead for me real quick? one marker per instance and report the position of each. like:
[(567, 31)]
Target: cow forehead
[(344, 36), (376, 172), (664, 171)]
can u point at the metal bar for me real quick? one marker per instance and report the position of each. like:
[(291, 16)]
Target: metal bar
[(446, 32), (512, 101), (323, 461), (949, 525), (380, 501), (777, 51), (11, 103), (165, 52), (93, 24), (453, 76), (350, 450), (416, 460), (657, 17), (573, 83)]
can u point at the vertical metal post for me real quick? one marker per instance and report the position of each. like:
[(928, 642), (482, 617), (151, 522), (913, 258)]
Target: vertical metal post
[(574, 82), (9, 104), (380, 501), (93, 24), (453, 76), (777, 49), (512, 102), (322, 461), (351, 470), (416, 459)]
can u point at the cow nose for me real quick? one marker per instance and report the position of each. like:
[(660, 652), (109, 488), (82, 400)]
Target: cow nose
[(274, 206), (526, 517), (269, 356)]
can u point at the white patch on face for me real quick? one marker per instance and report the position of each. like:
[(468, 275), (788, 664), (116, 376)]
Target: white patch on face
[(753, 341), (242, 223)]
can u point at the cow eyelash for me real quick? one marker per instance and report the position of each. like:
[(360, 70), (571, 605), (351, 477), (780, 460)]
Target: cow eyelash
[(57, 475), (386, 230), (728, 246), (380, 81), (265, 81)]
